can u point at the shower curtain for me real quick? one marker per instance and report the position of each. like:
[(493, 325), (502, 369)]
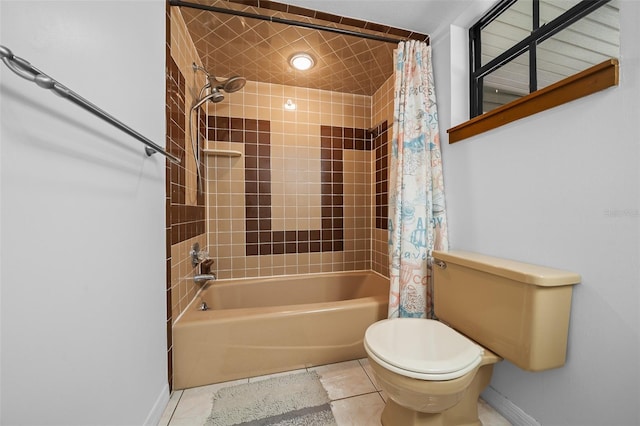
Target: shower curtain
[(417, 216)]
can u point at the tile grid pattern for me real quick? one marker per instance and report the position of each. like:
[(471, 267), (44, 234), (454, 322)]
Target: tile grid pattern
[(171, 86), (185, 213), (314, 215), (184, 206), (356, 398), (259, 50), (186, 220), (336, 19), (381, 175), (261, 238), (381, 111)]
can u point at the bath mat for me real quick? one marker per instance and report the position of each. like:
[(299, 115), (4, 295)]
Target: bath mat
[(291, 400)]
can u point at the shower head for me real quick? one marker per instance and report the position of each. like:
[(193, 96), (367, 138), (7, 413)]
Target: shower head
[(215, 96), (232, 84), (215, 86), (229, 85)]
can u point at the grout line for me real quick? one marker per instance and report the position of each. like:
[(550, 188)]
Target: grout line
[(354, 396), (371, 379), (493, 411), (175, 407)]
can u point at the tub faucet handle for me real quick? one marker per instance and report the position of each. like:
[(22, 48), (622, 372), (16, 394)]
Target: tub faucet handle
[(197, 256), (205, 266), (203, 278)]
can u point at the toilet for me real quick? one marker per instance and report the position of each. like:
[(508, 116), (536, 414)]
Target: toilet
[(488, 309)]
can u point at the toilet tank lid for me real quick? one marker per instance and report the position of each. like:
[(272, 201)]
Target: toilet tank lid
[(511, 269)]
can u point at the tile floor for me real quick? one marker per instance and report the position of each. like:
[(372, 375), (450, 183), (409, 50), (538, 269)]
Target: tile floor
[(356, 400)]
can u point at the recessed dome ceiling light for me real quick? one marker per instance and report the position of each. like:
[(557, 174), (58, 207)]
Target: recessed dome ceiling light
[(301, 61)]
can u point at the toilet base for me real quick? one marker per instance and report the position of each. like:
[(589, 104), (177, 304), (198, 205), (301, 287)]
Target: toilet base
[(463, 413), (397, 415)]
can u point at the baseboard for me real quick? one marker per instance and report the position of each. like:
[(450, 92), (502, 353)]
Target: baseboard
[(507, 409), (158, 408)]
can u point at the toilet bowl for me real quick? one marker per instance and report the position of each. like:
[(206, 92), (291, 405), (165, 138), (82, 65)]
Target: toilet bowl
[(441, 353), (488, 309), (435, 379)]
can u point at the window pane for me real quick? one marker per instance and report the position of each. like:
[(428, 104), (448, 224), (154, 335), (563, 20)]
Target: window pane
[(513, 25), (507, 83), (551, 9), (588, 42)]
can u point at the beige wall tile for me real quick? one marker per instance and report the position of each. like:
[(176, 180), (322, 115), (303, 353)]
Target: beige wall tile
[(295, 179), (184, 54), (182, 286)]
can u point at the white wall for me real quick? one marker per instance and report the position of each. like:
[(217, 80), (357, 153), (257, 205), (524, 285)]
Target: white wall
[(82, 217), (561, 188)]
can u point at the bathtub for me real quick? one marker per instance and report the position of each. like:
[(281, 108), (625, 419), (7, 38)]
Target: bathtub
[(267, 325)]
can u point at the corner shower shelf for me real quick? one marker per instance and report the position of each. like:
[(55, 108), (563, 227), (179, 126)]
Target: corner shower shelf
[(222, 152)]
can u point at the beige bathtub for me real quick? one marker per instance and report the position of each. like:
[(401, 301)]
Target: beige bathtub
[(262, 326)]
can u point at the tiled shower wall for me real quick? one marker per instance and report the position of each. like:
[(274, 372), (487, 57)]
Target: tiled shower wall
[(298, 199), (381, 112), (307, 194), (185, 206), (309, 187), (186, 210)]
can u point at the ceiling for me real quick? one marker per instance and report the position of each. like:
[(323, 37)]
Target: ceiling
[(431, 17), (259, 50)]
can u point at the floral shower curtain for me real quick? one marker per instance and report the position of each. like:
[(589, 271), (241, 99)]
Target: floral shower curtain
[(417, 216)]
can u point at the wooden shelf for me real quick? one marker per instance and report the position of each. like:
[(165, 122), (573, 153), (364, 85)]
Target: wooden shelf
[(222, 152), (582, 84)]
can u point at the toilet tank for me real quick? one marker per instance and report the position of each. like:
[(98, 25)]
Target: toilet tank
[(517, 310)]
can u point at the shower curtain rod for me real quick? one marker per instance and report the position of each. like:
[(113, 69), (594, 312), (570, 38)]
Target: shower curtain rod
[(27, 71), (284, 21)]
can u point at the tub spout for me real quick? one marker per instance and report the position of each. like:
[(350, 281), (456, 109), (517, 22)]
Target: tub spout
[(203, 306), (203, 278)]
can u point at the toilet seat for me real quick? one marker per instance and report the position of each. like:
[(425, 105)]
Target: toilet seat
[(421, 348)]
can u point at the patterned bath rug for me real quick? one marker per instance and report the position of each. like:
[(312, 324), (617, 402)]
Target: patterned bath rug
[(291, 400)]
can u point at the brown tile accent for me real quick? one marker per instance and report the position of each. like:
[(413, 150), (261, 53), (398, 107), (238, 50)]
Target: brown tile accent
[(333, 141), (260, 238), (324, 16), (356, 23), (256, 136), (183, 221), (296, 10), (339, 138), (377, 27), (254, 3), (400, 33), (382, 174), (186, 221), (353, 22)]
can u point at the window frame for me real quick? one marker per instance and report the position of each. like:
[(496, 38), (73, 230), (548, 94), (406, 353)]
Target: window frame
[(587, 82), (477, 71)]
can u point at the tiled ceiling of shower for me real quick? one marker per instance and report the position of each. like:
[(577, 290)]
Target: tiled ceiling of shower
[(260, 50)]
